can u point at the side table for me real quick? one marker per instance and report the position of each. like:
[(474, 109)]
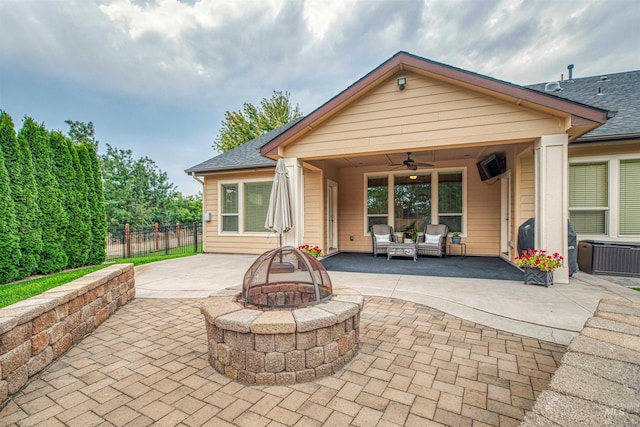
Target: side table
[(462, 246)]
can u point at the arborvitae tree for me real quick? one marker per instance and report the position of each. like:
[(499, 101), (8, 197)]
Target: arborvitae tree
[(9, 240), (97, 253), (76, 231), (87, 170), (17, 160), (53, 218), (82, 200)]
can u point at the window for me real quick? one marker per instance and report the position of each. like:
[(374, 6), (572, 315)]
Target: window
[(588, 197), (377, 201), (243, 206), (256, 201), (412, 201), (450, 200), (229, 207), (431, 197), (629, 211)]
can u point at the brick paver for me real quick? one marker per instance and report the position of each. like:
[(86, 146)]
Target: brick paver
[(417, 366)]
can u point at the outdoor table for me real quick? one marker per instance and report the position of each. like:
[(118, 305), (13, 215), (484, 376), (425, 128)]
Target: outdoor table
[(409, 250)]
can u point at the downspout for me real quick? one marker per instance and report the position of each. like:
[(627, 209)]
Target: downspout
[(193, 175), (204, 227)]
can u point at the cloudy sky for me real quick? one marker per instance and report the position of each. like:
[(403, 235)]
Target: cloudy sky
[(156, 76)]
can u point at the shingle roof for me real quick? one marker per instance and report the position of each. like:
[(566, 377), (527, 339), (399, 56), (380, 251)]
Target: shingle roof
[(245, 156), (618, 92)]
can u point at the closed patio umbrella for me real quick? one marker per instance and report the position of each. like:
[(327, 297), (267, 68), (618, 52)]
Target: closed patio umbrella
[(279, 216)]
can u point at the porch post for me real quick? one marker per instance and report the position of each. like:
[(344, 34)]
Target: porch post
[(552, 198), (295, 235)]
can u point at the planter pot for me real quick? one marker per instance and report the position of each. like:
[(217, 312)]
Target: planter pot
[(456, 240), (535, 276)]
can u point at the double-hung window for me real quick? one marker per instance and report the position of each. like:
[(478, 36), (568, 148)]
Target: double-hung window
[(450, 200), (243, 206), (629, 204), (589, 197), (377, 201)]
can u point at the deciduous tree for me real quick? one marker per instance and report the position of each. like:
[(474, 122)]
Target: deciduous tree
[(239, 127)]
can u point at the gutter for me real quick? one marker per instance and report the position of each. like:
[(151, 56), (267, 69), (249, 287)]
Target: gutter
[(193, 175)]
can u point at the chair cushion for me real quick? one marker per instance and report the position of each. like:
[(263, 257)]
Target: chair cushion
[(432, 238), (383, 238)]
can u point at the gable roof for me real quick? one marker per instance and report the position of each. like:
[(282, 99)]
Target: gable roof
[(581, 114), (575, 100), (245, 156), (619, 92)]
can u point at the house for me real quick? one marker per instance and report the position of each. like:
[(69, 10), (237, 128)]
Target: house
[(403, 144)]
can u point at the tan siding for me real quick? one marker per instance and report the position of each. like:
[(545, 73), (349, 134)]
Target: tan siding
[(313, 215), (483, 214), (226, 243), (425, 111), (603, 149), (525, 192)]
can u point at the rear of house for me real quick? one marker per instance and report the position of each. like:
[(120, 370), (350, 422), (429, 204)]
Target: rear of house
[(382, 152)]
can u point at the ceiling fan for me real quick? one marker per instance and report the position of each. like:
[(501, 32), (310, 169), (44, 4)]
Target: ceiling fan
[(411, 164)]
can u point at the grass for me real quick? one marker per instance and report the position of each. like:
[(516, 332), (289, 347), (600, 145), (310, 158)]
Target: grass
[(18, 291)]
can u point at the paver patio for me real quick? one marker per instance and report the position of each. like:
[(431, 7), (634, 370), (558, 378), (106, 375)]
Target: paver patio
[(147, 364)]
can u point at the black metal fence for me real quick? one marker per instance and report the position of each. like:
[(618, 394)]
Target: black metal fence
[(129, 241)]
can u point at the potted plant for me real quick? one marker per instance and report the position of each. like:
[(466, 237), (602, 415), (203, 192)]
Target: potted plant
[(538, 266), (314, 251), (455, 238), (410, 233)]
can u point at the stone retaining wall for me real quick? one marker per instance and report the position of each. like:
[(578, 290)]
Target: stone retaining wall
[(598, 381), (38, 330), (282, 347)]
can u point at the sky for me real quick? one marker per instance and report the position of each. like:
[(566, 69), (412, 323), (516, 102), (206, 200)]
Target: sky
[(156, 76)]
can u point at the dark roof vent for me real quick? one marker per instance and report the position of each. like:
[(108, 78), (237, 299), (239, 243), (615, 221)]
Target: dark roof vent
[(604, 78), (599, 91), (552, 87)]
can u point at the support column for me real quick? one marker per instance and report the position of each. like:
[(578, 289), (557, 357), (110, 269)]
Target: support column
[(296, 179), (552, 198)]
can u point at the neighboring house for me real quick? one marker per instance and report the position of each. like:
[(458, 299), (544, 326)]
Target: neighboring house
[(346, 162)]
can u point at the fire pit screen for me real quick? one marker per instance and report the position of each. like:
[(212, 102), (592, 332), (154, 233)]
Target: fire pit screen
[(285, 278)]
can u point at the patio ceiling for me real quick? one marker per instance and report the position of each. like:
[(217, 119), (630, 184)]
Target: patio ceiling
[(426, 156)]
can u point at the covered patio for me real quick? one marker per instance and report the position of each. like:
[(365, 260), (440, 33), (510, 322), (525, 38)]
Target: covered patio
[(476, 267)]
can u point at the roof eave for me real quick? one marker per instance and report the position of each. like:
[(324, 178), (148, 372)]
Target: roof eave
[(229, 169)]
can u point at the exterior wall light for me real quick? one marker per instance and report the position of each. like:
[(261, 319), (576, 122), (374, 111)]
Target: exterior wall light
[(402, 82)]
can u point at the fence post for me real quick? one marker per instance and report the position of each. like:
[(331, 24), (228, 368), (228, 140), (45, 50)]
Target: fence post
[(178, 231), (127, 240), (195, 237), (166, 240), (156, 227)]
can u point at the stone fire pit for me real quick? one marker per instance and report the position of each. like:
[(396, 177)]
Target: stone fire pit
[(282, 344)]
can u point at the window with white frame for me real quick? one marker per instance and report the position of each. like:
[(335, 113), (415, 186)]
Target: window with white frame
[(603, 196), (450, 200), (377, 200), (243, 206), (424, 197), (589, 197), (629, 204)]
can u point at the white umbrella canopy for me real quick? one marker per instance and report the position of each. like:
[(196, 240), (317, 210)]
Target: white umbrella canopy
[(279, 216)]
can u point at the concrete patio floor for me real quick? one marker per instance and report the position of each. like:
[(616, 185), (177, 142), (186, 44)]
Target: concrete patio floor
[(434, 351), (555, 314)]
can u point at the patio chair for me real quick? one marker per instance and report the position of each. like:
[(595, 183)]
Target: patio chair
[(381, 236), (434, 240)]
